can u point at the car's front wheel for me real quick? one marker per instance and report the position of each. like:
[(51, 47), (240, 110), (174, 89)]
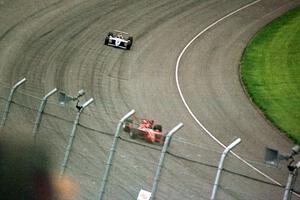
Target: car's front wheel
[(106, 41), (157, 127)]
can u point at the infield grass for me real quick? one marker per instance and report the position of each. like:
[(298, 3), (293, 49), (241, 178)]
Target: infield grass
[(270, 70)]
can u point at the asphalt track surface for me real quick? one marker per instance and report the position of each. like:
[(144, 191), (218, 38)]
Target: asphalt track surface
[(60, 44)]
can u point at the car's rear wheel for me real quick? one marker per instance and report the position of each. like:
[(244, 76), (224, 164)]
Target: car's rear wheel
[(128, 46), (129, 43), (132, 134)]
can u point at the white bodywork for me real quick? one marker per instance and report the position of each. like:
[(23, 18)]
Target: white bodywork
[(119, 39)]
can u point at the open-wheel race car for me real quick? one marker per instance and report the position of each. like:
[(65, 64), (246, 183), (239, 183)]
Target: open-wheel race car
[(146, 130), (119, 39)]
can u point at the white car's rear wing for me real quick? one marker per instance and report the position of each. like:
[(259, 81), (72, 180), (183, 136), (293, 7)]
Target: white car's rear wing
[(121, 32)]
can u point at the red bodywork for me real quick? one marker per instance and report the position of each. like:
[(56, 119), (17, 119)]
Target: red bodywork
[(145, 130)]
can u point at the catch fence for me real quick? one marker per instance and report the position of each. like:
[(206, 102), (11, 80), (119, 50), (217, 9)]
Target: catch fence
[(188, 172)]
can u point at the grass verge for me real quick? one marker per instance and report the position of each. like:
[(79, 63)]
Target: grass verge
[(270, 70)]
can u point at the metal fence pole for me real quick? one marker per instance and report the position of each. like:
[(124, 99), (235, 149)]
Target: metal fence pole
[(287, 190), (72, 136), (112, 153), (220, 167), (161, 160), (12, 92), (293, 173), (40, 111)]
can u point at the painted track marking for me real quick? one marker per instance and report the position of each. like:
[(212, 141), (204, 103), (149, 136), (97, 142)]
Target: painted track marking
[(187, 106)]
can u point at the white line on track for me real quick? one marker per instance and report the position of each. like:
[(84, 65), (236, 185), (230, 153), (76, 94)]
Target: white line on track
[(187, 106)]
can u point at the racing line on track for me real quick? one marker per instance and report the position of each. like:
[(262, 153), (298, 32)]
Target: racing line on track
[(187, 106)]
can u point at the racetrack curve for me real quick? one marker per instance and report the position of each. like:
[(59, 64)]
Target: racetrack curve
[(60, 44)]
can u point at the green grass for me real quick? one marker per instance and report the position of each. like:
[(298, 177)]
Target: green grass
[(271, 72)]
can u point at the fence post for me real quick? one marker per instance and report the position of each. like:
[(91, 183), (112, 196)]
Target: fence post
[(287, 190), (220, 167), (72, 136), (12, 92), (40, 111), (293, 173), (112, 153), (162, 158)]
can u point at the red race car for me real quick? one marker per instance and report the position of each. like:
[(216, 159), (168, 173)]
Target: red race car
[(145, 129)]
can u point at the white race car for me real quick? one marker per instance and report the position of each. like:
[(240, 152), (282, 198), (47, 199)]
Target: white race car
[(119, 39)]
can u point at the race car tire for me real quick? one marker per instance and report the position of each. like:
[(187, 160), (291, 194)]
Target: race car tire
[(132, 134), (110, 34), (127, 125), (157, 127), (128, 46), (162, 141), (130, 38), (106, 41), (126, 128)]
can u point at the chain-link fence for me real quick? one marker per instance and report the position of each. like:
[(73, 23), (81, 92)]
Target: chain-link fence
[(188, 172)]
